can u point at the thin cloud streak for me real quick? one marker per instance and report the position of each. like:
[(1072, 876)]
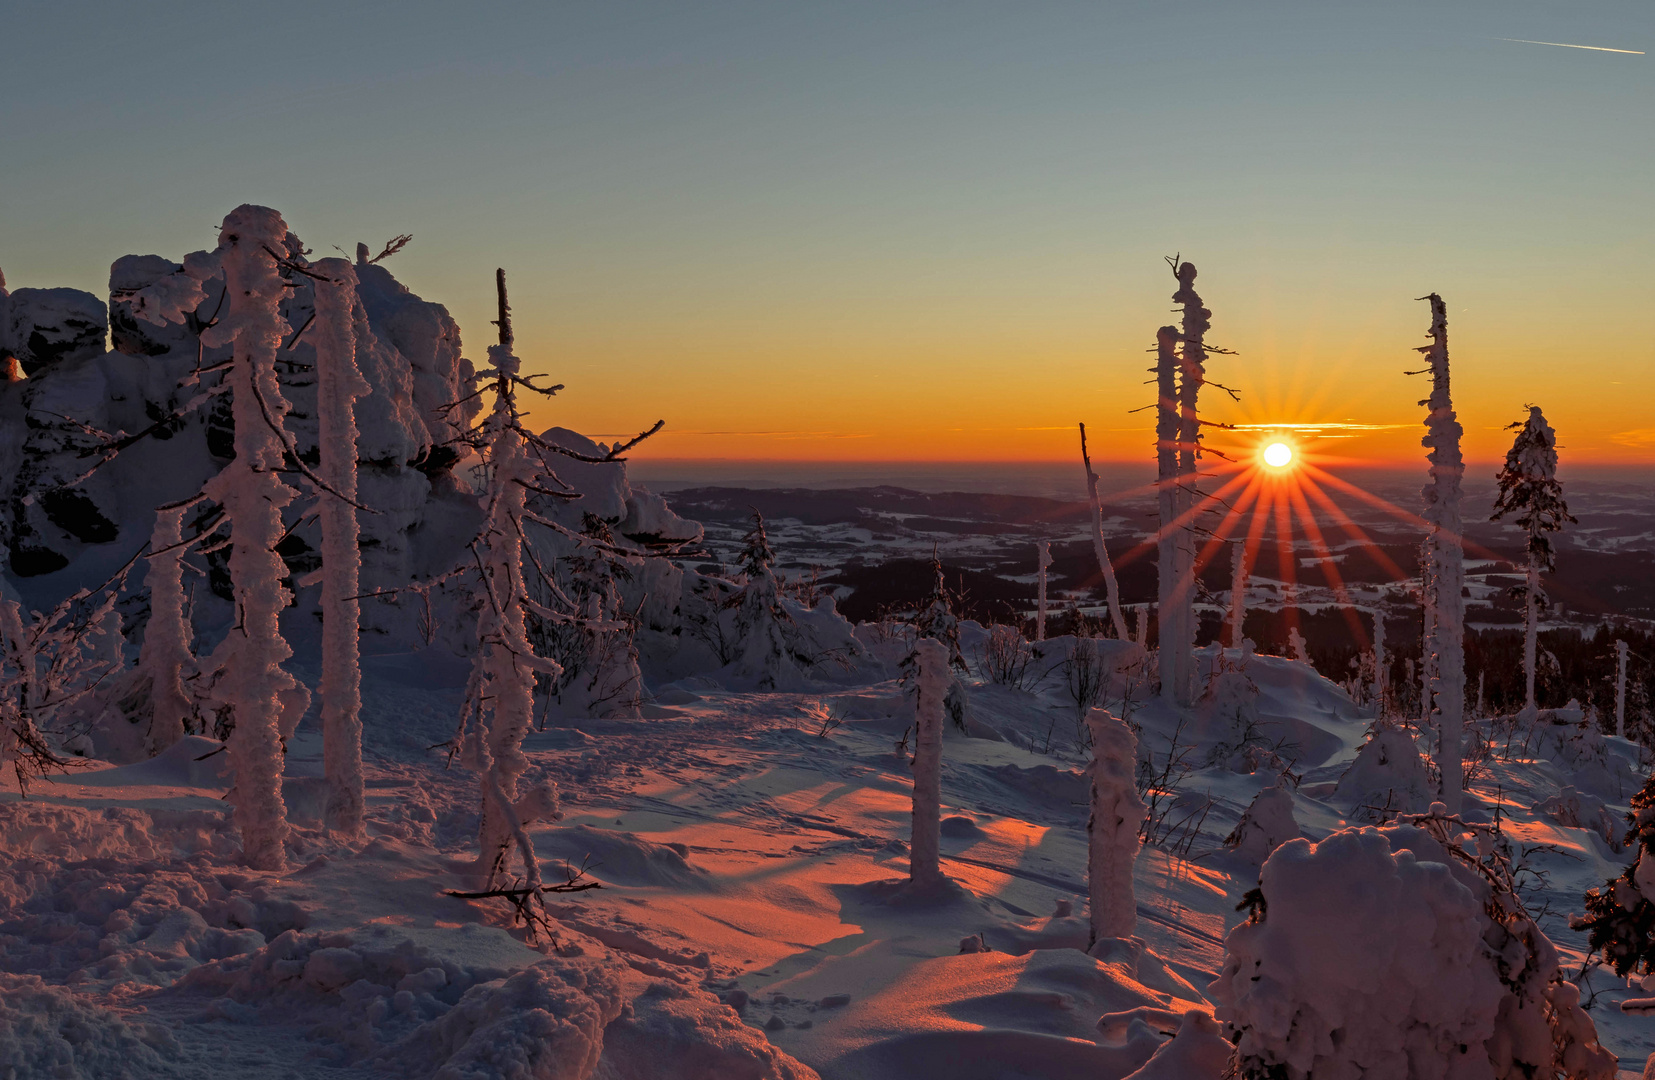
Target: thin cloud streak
[(1566, 45)]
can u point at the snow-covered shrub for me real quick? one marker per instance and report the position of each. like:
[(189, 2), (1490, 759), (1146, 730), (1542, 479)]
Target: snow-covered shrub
[(1112, 829), (49, 661), (1390, 952), (1388, 776), (1005, 657), (1085, 672), (1578, 810), (1620, 916), (1529, 488), (1267, 824)]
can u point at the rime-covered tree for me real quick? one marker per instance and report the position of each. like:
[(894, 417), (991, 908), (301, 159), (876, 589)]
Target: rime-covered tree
[(1113, 827), (500, 702), (1445, 562), (339, 383), (253, 495), (165, 656), (1529, 489), (1180, 372)]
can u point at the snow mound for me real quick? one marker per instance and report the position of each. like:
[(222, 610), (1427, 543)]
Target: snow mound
[(1197, 1052), (1367, 962), (544, 1023), (49, 1033), (1577, 810), (618, 857), (1267, 824)]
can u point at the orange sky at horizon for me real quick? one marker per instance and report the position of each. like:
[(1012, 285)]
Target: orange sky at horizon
[(798, 393)]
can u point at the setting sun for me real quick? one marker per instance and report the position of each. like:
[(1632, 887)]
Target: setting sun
[(1278, 455)]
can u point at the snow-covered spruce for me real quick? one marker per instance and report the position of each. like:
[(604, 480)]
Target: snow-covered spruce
[(1529, 488), (1393, 952), (501, 710), (767, 657), (1112, 587), (1113, 827), (928, 688), (1446, 563), (1042, 560), (251, 491), (339, 383), (165, 657)]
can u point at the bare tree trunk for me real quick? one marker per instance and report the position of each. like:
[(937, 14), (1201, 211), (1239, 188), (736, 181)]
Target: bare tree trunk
[(1098, 548), (1043, 559), (1620, 688)]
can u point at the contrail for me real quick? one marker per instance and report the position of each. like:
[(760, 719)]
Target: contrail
[(1565, 45)]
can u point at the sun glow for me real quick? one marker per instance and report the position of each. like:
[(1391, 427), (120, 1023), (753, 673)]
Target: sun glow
[(1278, 455)]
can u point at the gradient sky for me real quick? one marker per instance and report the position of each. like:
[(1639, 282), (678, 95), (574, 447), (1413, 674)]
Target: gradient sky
[(904, 230)]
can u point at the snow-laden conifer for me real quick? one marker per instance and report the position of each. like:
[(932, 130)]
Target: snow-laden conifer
[(165, 656), (501, 706), (930, 676), (761, 622), (1529, 489), (253, 495), (1446, 560), (339, 383), (1112, 829)]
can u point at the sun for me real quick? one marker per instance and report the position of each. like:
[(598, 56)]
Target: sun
[(1278, 455)]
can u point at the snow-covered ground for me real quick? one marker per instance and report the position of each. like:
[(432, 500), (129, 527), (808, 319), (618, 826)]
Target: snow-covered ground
[(741, 851)]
